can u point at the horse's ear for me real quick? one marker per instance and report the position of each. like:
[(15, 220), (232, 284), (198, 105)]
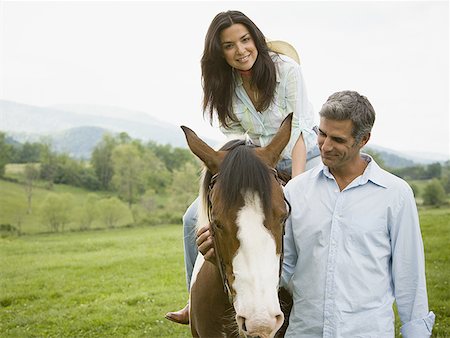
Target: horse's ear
[(204, 152), (271, 153)]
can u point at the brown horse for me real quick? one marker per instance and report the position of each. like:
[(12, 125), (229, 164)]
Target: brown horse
[(243, 201)]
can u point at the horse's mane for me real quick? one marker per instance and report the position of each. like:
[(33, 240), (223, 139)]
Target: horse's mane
[(241, 170)]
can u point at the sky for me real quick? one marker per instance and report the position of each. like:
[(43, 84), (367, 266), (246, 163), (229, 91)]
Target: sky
[(145, 56)]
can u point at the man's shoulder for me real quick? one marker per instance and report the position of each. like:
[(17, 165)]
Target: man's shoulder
[(389, 180)]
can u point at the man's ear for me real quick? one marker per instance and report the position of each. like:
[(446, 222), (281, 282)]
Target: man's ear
[(364, 140)]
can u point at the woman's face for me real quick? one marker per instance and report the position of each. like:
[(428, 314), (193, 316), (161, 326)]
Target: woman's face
[(238, 47)]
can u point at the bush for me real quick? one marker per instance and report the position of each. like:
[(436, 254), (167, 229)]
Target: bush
[(112, 211), (55, 210), (88, 212), (160, 217), (434, 193), (415, 189)]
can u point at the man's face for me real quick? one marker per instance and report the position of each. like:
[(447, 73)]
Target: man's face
[(337, 145)]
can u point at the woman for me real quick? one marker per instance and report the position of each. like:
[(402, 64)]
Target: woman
[(250, 89)]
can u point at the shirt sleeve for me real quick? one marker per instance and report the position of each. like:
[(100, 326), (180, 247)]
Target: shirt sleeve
[(408, 270), (298, 102), (290, 251)]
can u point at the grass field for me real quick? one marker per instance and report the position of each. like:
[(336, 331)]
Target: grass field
[(115, 283), (13, 207), (119, 283), (435, 225)]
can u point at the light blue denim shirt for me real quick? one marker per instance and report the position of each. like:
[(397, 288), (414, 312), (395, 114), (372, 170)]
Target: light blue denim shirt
[(290, 96), (350, 253)]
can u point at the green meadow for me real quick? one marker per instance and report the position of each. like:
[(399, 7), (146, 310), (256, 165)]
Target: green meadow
[(120, 282), (114, 283)]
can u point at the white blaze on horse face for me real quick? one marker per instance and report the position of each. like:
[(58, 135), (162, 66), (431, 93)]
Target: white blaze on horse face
[(256, 268)]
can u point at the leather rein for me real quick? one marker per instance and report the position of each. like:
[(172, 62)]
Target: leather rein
[(219, 262)]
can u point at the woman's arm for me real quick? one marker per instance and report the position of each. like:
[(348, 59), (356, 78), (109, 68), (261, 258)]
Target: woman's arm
[(298, 157), (303, 122)]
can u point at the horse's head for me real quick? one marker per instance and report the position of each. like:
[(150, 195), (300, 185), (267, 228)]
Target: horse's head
[(246, 212)]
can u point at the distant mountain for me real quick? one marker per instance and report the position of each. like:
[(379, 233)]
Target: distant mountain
[(77, 142), (17, 117), (390, 159), (76, 130), (12, 141), (415, 157), (106, 111)]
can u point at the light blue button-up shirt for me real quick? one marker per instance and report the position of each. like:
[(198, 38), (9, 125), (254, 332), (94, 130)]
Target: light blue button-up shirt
[(290, 96), (350, 253)]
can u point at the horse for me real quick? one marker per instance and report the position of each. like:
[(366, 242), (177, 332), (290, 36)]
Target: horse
[(243, 202)]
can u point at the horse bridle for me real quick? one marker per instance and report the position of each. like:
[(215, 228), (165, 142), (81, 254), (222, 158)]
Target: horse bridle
[(219, 262)]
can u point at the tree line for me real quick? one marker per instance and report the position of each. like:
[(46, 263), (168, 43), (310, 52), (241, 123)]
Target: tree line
[(134, 170), (437, 174), (140, 175)]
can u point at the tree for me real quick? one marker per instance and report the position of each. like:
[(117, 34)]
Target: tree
[(31, 174), (184, 187), (411, 173), (89, 212), (157, 177), (112, 211), (148, 201), (27, 153), (415, 189), (48, 164), (434, 170), (67, 170), (173, 158), (124, 138), (5, 153), (445, 178), (129, 171), (146, 212), (101, 161), (55, 210), (434, 193)]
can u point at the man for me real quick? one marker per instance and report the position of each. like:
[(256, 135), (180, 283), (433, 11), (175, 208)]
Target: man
[(353, 243)]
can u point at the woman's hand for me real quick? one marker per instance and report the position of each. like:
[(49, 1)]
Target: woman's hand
[(205, 244)]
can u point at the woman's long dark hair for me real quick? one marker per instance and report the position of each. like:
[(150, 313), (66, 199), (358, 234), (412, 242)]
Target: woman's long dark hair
[(217, 74)]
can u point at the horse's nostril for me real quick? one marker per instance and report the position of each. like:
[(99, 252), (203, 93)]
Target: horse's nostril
[(241, 322), (279, 318)]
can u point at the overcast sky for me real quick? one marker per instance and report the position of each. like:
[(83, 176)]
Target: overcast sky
[(146, 56)]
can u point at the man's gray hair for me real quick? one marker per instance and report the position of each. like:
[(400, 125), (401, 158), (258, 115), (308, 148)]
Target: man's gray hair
[(350, 105)]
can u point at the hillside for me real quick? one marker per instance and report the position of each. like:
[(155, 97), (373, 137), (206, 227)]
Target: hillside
[(391, 159), (26, 119), (77, 142), (76, 129)]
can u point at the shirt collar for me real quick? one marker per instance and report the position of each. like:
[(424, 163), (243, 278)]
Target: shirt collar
[(372, 173)]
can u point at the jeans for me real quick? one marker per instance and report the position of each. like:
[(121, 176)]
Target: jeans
[(190, 220)]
